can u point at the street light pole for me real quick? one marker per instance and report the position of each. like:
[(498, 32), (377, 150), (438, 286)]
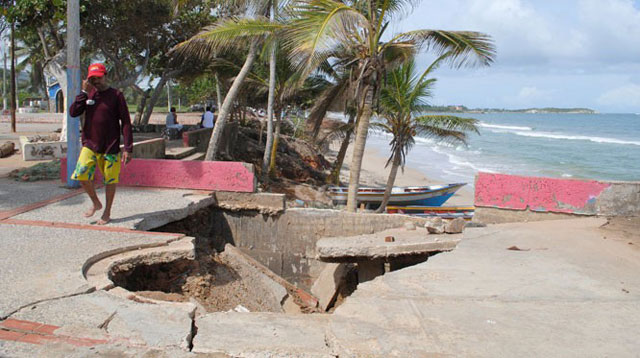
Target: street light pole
[(13, 77), (4, 78), (73, 87)]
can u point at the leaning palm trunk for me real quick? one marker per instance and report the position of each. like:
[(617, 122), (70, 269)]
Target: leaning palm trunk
[(274, 149), (218, 94), (334, 177), (390, 181), (153, 100), (272, 90), (358, 149), (227, 106)]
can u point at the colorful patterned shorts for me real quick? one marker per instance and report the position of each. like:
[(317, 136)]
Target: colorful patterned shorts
[(109, 165)]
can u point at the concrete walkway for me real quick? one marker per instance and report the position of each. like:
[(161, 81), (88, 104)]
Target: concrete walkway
[(545, 289)]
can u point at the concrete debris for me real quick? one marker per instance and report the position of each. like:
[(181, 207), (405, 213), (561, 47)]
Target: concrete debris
[(325, 288), (435, 226), (409, 225), (455, 226)]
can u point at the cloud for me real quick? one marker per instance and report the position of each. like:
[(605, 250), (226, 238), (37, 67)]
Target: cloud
[(530, 96), (621, 97)]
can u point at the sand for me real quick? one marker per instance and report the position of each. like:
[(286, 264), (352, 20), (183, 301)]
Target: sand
[(374, 173)]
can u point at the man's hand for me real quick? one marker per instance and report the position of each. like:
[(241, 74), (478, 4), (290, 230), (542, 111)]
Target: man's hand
[(87, 86), (126, 158)]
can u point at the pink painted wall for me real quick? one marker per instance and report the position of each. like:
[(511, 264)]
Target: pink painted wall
[(183, 174), (537, 194)]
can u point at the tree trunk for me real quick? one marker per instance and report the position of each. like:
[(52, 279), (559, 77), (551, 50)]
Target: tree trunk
[(266, 165), (216, 137), (141, 105), (358, 149), (390, 181), (218, 94), (154, 98), (274, 149), (334, 177)]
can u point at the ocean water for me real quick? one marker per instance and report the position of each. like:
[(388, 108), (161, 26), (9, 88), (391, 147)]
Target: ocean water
[(586, 146)]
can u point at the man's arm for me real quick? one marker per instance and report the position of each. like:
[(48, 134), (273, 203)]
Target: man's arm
[(80, 104), (125, 119)]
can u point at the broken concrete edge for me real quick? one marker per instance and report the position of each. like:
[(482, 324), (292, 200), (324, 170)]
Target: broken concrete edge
[(93, 260), (384, 257), (161, 218), (306, 298), (265, 203)]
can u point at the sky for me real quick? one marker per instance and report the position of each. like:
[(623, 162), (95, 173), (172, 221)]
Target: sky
[(550, 53)]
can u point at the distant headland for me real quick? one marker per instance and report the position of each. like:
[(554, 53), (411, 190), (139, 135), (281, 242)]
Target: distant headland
[(464, 109)]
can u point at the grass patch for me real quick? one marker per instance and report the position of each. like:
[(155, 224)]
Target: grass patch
[(41, 171)]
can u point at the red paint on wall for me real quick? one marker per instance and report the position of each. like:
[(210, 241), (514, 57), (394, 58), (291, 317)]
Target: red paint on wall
[(537, 194), (183, 174)]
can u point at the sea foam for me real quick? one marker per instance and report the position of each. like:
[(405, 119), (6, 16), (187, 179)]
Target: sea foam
[(577, 137)]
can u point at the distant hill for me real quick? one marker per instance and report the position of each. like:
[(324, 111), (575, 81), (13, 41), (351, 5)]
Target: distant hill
[(464, 109)]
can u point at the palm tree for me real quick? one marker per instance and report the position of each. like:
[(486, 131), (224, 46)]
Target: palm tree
[(322, 28), (402, 100)]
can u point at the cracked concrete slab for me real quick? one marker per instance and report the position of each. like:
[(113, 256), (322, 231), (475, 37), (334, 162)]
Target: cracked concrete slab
[(161, 206), (14, 194), (101, 315), (41, 263), (9, 349), (373, 246), (265, 335), (565, 292)]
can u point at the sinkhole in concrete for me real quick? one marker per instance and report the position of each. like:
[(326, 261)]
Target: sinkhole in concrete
[(271, 263), (217, 282)]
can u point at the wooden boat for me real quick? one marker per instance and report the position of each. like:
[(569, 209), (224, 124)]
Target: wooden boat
[(445, 212), (432, 195)]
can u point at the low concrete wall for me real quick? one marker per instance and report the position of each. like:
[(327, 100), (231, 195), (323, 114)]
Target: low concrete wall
[(148, 149), (42, 150), (286, 243), (550, 195), (201, 175), (198, 138)]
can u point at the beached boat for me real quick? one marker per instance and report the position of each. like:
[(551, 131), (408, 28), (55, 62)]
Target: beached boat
[(432, 195), (445, 212)]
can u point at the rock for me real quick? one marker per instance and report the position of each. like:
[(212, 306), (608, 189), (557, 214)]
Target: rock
[(409, 225), (7, 149), (435, 226), (455, 226)]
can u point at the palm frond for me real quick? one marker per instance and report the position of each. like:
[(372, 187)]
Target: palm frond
[(445, 127), (318, 29), (223, 35), (466, 48)]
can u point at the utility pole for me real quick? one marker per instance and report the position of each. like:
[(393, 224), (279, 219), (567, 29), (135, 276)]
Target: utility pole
[(73, 87), (13, 77), (4, 78)]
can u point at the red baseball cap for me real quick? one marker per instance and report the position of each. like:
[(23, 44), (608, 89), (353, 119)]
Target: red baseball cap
[(97, 70)]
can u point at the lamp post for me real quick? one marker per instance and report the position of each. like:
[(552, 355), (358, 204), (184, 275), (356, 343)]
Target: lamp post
[(73, 87), (13, 77)]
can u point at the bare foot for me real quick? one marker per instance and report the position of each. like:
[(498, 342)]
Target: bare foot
[(89, 213), (103, 220)]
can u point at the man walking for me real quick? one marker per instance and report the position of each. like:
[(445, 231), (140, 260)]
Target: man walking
[(105, 111)]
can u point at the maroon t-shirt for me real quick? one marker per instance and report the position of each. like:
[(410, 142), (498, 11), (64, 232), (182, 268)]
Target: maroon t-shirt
[(101, 130)]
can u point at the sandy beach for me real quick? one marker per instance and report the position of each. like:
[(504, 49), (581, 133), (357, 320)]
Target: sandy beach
[(374, 173)]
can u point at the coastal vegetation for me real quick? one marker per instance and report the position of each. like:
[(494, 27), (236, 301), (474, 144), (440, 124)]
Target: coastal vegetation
[(401, 101), (293, 57), (464, 109)]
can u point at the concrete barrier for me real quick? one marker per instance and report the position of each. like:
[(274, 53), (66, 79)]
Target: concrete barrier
[(42, 150), (200, 175), (198, 138), (148, 149), (550, 195)]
